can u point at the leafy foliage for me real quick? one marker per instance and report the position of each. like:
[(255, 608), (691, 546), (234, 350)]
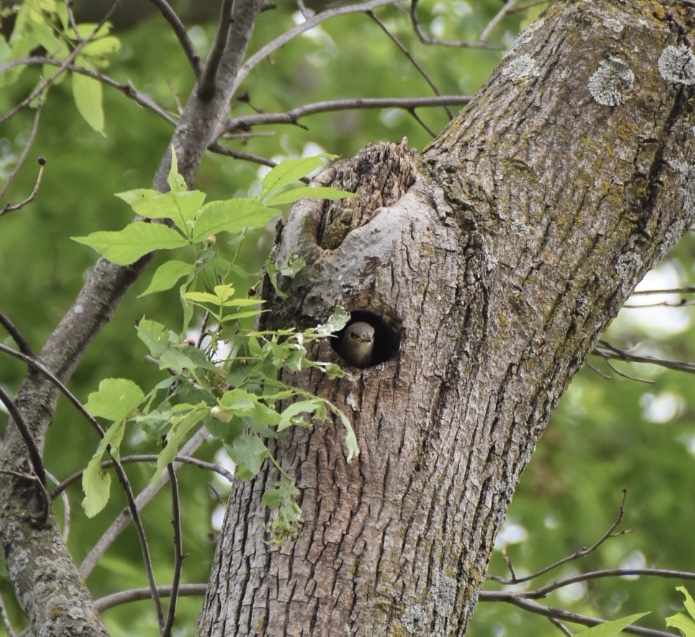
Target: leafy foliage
[(230, 383)]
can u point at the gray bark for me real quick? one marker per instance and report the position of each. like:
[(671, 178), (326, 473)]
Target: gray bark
[(530, 220)]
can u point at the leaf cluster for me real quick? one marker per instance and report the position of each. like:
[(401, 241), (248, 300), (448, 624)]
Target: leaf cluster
[(226, 379)]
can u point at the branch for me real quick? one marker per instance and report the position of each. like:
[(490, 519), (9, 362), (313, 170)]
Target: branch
[(607, 351), (25, 151), (560, 614), (126, 89), (8, 207), (146, 457), (34, 453), (292, 33), (178, 549), (16, 335), (123, 518), (410, 57), (292, 117), (426, 39), (208, 81), (574, 556), (137, 594), (180, 31)]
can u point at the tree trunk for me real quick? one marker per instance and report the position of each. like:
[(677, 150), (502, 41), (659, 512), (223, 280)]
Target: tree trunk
[(523, 228)]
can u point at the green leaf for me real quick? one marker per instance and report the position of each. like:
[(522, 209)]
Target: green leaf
[(232, 215), (155, 336), (180, 428), (115, 399), (336, 322), (350, 438), (167, 275), (248, 453), (612, 628), (294, 413), (680, 621), (288, 171), (683, 623), (134, 241), (180, 207), (176, 181), (96, 484), (689, 603), (88, 97), (308, 192)]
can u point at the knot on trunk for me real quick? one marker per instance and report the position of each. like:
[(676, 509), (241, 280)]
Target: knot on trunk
[(380, 174)]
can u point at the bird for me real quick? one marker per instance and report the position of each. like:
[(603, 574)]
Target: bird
[(357, 344)]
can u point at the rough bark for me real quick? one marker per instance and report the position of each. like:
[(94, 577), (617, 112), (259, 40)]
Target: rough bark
[(531, 218)]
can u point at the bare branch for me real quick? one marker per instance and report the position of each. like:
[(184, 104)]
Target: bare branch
[(208, 80), (410, 57), (137, 594), (608, 351), (426, 39), (180, 31), (499, 16), (574, 556), (560, 614), (178, 549), (686, 290), (25, 151), (33, 450), (145, 457), (8, 207), (245, 122), (297, 30), (16, 335)]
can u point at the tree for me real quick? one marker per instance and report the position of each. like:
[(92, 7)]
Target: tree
[(490, 264)]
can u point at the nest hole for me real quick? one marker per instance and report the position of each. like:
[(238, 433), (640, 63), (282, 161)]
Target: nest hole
[(386, 338)]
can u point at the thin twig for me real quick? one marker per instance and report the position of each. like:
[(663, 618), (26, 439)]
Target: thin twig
[(410, 57), (137, 594), (208, 80), (608, 351), (44, 84), (25, 151), (245, 122), (144, 546), (126, 89), (237, 154), (37, 365), (66, 507), (9, 207), (690, 289), (560, 614), (123, 519), (569, 558), (426, 39), (558, 624), (16, 335), (499, 16), (297, 30), (178, 549), (182, 35), (145, 457), (34, 453)]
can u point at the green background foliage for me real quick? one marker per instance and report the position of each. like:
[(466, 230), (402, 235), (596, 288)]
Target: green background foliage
[(607, 434)]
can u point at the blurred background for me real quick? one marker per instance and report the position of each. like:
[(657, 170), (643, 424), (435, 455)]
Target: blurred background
[(631, 426)]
